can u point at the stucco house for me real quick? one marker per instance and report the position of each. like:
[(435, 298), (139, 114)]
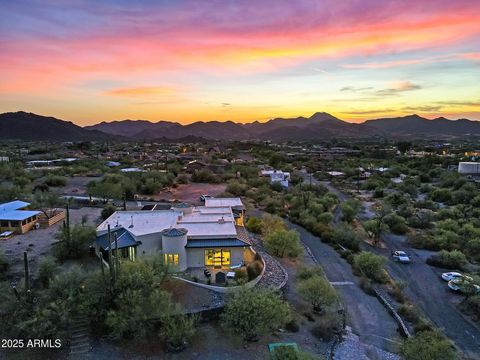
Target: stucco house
[(279, 176), (187, 236)]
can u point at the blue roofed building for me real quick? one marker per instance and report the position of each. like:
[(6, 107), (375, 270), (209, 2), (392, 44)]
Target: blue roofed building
[(15, 217)]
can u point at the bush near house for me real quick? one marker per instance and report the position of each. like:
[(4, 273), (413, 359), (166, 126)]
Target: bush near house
[(254, 224), (254, 269), (107, 211), (454, 259), (371, 266), (251, 313), (283, 243), (73, 241)]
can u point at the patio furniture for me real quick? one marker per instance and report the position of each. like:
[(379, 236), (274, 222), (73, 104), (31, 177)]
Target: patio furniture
[(230, 275), (6, 235)]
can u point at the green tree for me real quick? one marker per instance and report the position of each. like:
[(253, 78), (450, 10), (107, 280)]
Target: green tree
[(73, 241), (107, 211), (318, 291), (251, 313), (371, 265), (283, 243), (272, 223), (254, 224)]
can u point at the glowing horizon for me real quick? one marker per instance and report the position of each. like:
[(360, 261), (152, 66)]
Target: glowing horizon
[(188, 61)]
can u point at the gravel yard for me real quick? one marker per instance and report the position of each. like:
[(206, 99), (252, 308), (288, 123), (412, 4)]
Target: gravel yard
[(38, 242)]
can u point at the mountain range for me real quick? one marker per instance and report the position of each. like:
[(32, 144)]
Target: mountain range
[(320, 126)]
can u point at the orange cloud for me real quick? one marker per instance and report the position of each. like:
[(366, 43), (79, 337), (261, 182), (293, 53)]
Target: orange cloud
[(140, 91)]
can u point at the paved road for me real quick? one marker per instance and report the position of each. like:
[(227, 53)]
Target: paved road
[(367, 317), (427, 290)]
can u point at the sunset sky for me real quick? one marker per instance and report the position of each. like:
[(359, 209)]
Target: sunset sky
[(92, 61)]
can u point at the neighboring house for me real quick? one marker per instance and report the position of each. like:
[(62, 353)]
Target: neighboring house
[(277, 176), (14, 217), (194, 165), (187, 236)]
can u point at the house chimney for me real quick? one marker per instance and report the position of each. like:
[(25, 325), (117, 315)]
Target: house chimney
[(131, 225)]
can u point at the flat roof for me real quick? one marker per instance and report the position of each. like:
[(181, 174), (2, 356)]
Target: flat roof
[(223, 202), (17, 215), (144, 222), (13, 205)]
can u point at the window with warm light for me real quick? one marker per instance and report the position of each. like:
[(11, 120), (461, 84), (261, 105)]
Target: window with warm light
[(171, 259)]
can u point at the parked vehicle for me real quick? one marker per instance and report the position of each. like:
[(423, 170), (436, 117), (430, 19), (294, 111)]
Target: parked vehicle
[(460, 284), (401, 256), (454, 275)]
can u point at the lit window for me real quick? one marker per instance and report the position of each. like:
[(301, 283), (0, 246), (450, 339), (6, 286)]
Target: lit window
[(171, 259)]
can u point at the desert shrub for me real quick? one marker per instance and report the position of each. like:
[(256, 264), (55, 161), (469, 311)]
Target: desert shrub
[(423, 241), (47, 267), (428, 345), (283, 243), (409, 313), (73, 242), (182, 179), (327, 326), (306, 272), (289, 353), (454, 259), (178, 329), (4, 264), (241, 275), (107, 211), (317, 291), (254, 225), (251, 313), (205, 176), (254, 269), (55, 181), (371, 265), (346, 236), (272, 223), (396, 224), (367, 286), (471, 306)]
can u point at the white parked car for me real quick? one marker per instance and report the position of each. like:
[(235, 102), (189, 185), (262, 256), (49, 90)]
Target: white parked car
[(454, 275), (401, 256), (456, 285)]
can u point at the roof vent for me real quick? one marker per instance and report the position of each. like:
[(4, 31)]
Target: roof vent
[(221, 220), (131, 225)]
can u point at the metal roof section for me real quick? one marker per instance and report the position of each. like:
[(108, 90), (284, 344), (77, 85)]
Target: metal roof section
[(224, 202), (10, 211), (173, 232), (124, 239), (215, 243)]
